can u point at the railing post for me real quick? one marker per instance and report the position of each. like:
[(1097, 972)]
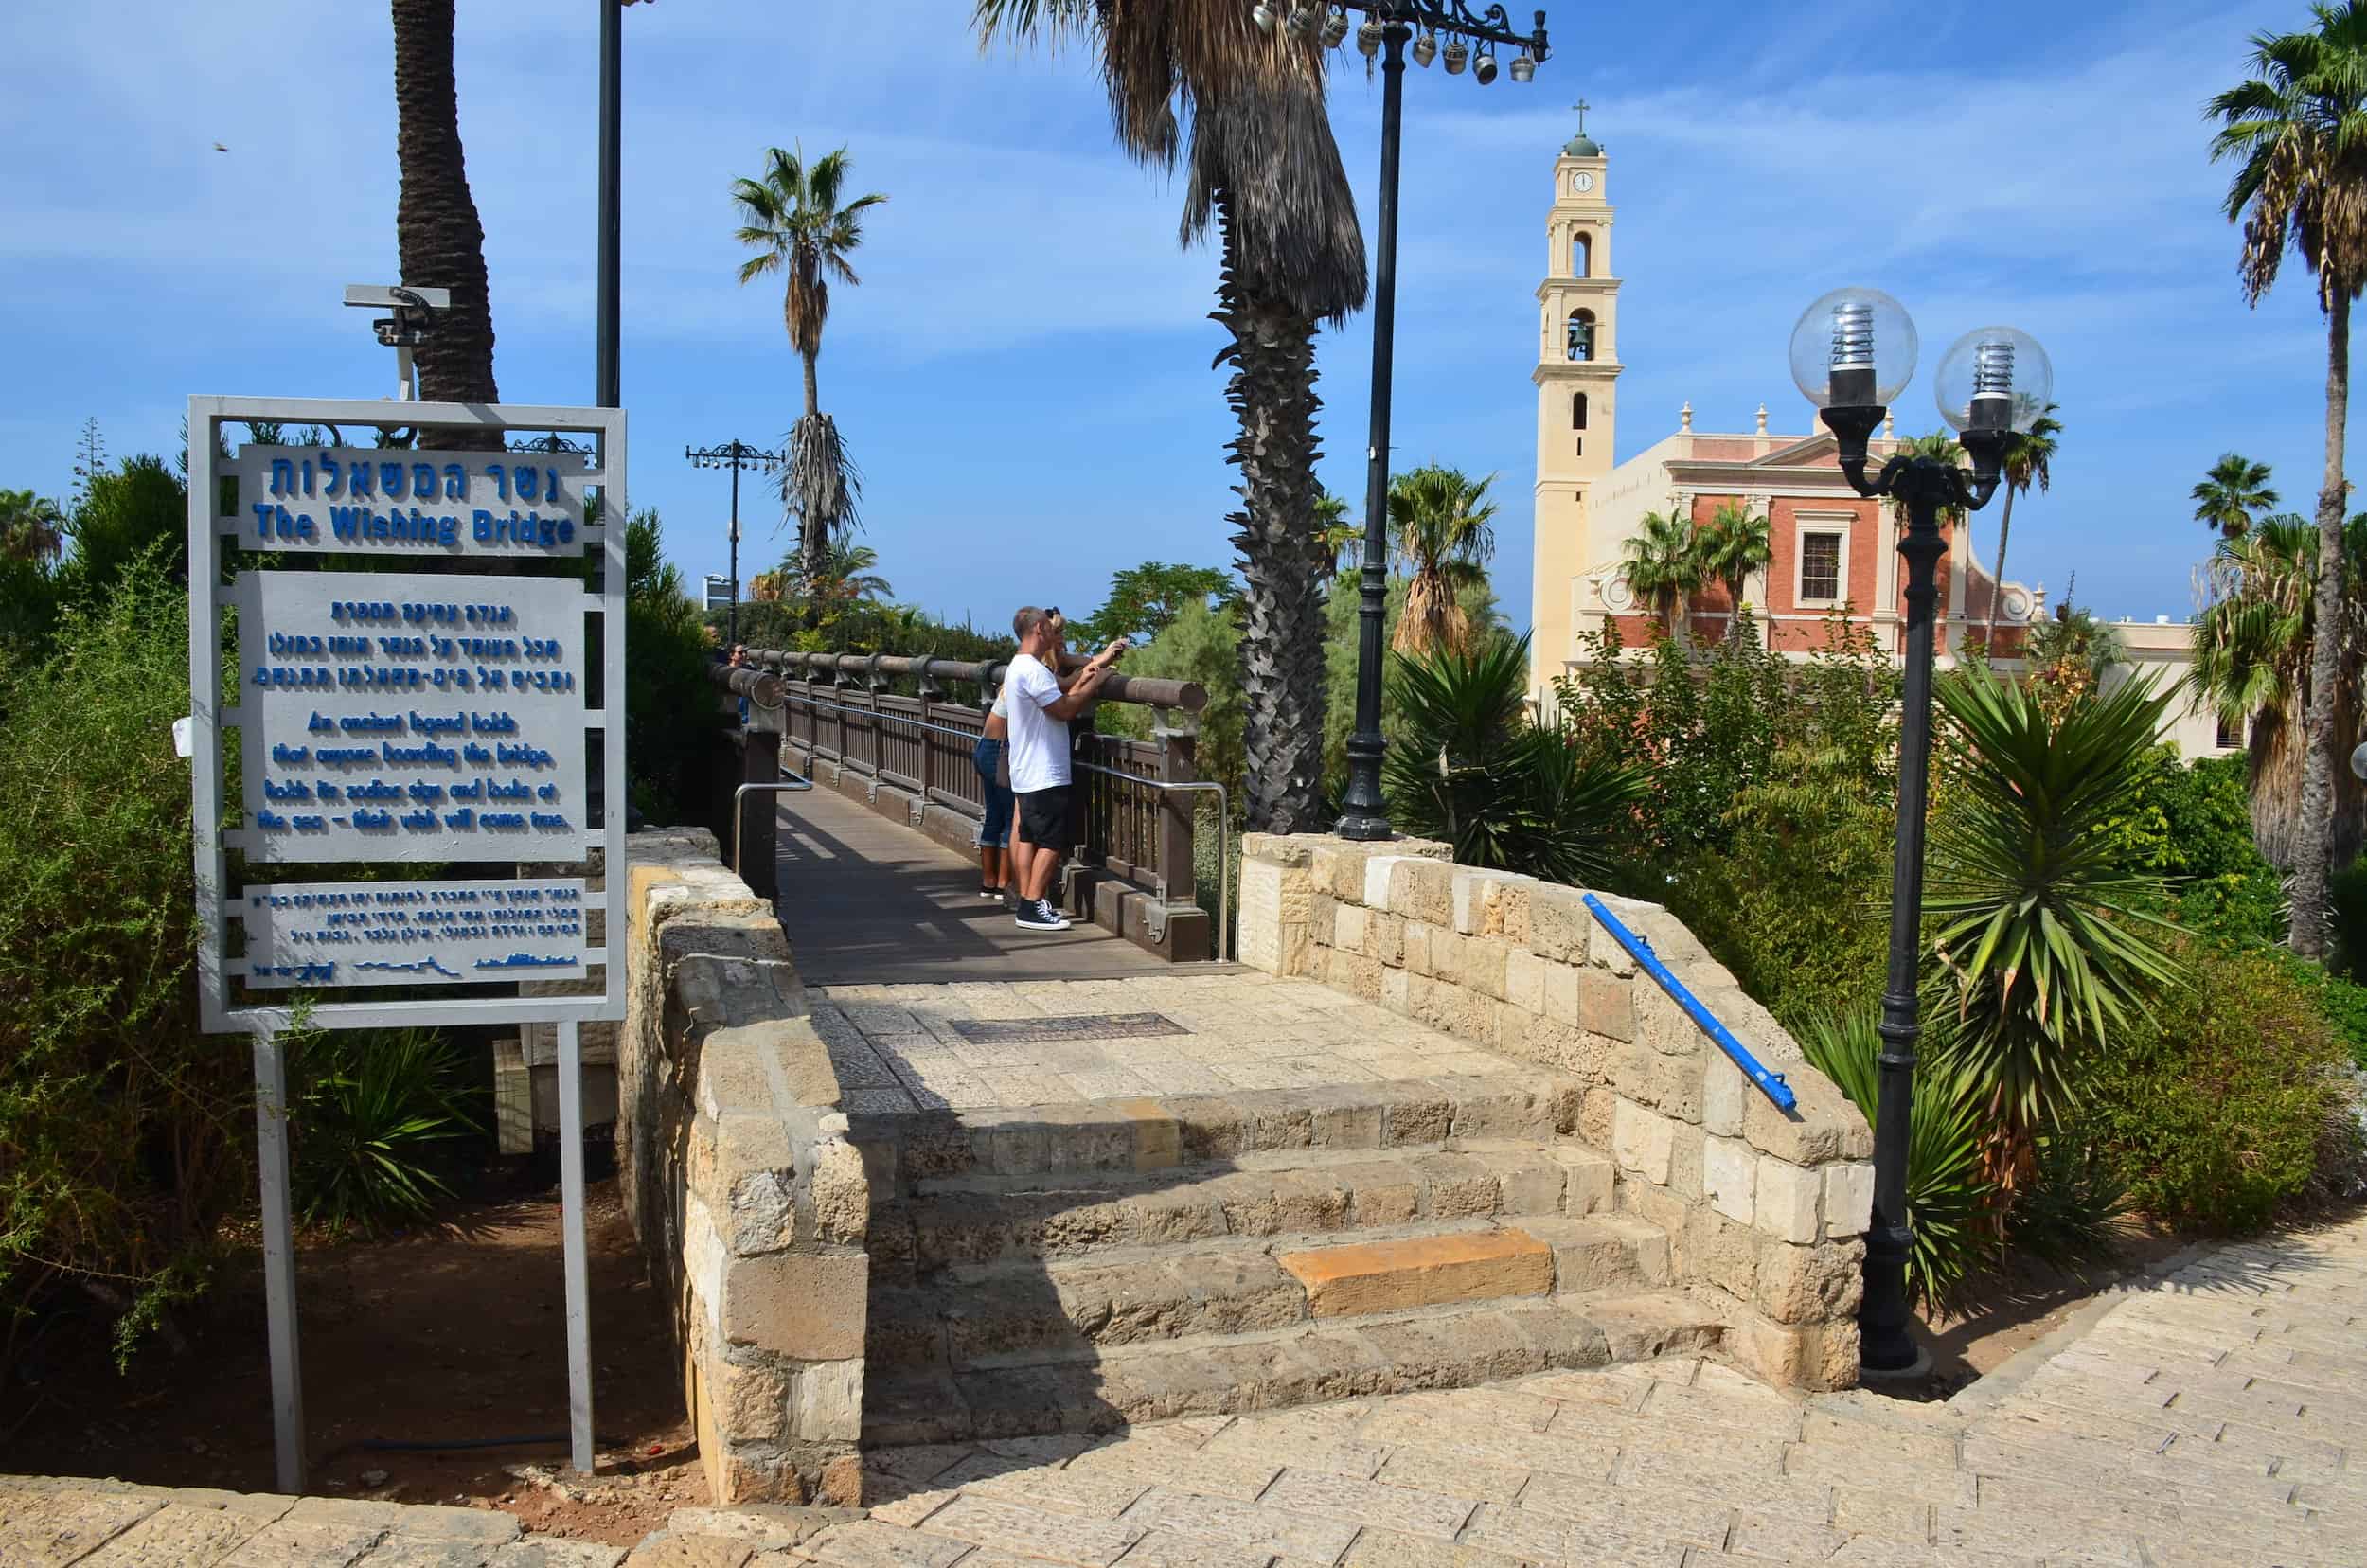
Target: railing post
[(759, 814), (930, 692), (1179, 813)]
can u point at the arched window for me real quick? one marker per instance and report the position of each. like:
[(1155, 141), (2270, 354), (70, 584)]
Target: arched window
[(1581, 335), (1577, 411), (1581, 253)]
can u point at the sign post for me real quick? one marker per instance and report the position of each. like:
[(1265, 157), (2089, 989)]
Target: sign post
[(447, 699)]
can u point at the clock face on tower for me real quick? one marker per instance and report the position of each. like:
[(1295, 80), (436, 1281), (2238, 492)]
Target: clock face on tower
[(1581, 182)]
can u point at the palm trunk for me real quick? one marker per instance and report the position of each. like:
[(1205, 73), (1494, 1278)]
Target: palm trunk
[(440, 242), (1997, 582), (2326, 659), (1273, 393), (813, 539)]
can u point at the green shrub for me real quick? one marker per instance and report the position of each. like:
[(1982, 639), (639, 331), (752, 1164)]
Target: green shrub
[(1204, 645), (1945, 1190), (1796, 904), (2213, 1111), (670, 718), (2346, 892), (124, 1133), (376, 1115), (1473, 771)]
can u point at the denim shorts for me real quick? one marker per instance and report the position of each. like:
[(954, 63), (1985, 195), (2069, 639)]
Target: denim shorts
[(994, 831)]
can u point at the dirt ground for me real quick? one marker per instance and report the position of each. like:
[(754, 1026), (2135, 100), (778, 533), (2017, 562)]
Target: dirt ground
[(2020, 1306), (450, 1333)]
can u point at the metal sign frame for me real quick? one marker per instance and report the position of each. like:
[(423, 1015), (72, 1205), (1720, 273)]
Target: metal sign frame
[(210, 718), (208, 597)]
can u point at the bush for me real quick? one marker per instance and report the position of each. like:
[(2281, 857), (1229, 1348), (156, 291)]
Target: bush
[(1945, 1190), (2213, 1111), (375, 1116), (1198, 644), (670, 718), (123, 1132), (1473, 771), (2346, 892)]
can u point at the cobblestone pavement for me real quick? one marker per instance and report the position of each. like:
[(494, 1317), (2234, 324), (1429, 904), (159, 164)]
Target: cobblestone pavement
[(2216, 1416), (898, 1046)]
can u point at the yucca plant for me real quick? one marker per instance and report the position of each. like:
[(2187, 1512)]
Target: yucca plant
[(2044, 939), (1947, 1190), (1473, 769), (374, 1115)]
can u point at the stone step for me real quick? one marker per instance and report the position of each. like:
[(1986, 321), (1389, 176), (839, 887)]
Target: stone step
[(1102, 1389), (908, 1152), (969, 1315), (1305, 1192)]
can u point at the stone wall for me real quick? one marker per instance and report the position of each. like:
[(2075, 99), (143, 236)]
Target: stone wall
[(751, 1205), (1764, 1208)]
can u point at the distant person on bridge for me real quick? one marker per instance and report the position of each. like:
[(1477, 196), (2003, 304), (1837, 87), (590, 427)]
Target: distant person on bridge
[(1037, 711)]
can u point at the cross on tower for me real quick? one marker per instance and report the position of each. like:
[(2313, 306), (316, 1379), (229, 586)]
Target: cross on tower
[(1581, 106)]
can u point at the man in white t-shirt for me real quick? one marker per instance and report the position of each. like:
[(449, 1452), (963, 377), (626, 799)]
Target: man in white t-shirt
[(1037, 711)]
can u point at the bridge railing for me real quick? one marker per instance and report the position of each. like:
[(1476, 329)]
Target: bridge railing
[(1133, 816)]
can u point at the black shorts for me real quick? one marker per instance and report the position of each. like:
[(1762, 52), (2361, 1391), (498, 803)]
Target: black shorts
[(1043, 816)]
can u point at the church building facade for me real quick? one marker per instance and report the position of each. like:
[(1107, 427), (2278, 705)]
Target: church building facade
[(1832, 551)]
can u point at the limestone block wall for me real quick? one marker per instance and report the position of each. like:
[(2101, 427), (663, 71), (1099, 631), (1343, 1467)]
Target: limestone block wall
[(1765, 1208), (751, 1205)]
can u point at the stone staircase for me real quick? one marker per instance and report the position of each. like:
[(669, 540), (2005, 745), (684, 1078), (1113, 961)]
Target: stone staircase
[(1287, 1248)]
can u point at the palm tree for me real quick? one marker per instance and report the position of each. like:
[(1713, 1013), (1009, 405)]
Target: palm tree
[(846, 576), (2297, 132), (1264, 177), (793, 218), (1660, 564), (2255, 656), (437, 236), (1733, 544), (1440, 517), (2029, 458), (1341, 541), (32, 529), (2230, 492)]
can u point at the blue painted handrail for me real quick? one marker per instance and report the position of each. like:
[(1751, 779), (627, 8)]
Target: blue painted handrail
[(1771, 1085)]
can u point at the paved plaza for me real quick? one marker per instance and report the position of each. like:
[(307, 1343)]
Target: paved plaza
[(1004, 1044), (2216, 1416)]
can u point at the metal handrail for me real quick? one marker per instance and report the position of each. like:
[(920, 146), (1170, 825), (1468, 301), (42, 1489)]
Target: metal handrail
[(1224, 803), (1771, 1084), (740, 818)]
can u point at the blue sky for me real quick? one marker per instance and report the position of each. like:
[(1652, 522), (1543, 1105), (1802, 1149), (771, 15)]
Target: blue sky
[(1023, 373)]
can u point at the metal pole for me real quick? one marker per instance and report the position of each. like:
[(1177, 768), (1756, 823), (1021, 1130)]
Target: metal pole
[(279, 1281), (575, 1258), (612, 113), (1885, 1346), (731, 635), (1364, 814)]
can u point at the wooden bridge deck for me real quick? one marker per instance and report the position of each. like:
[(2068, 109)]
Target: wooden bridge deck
[(868, 902)]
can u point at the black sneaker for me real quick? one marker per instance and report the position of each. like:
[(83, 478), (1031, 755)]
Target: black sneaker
[(1037, 915)]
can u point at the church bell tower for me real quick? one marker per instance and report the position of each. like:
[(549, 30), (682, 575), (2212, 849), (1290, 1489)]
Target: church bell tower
[(1577, 377)]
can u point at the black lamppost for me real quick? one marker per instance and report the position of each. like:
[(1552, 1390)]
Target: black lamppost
[(735, 455), (1387, 25), (1852, 353), (609, 392)]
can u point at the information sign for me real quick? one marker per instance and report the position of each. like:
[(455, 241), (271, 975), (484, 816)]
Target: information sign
[(373, 500), (411, 933), (396, 716), (434, 709)]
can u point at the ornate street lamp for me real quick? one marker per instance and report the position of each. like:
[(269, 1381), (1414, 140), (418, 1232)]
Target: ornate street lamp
[(1387, 25), (735, 455), (1852, 353)]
